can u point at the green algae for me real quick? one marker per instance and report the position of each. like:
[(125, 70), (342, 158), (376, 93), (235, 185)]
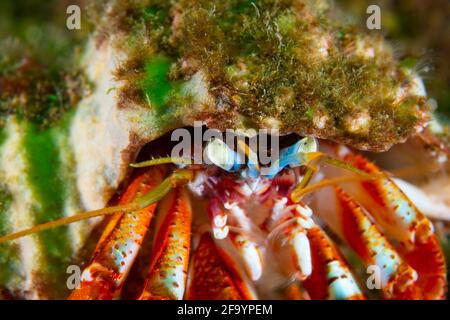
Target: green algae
[(44, 176), (156, 85), (3, 136), (267, 59)]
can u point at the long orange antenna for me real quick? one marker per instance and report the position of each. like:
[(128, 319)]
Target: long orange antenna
[(68, 220), (176, 178), (298, 193), (164, 160)]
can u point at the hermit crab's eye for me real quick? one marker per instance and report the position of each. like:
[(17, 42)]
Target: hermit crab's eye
[(219, 154), (294, 156), (307, 145)]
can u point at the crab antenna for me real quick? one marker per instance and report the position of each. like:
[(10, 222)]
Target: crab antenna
[(309, 174), (175, 179), (344, 165), (68, 220), (298, 193), (313, 157), (163, 160), (303, 188)]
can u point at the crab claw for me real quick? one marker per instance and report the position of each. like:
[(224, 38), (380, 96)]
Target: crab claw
[(289, 239), (404, 225), (167, 277), (250, 254), (397, 278), (213, 275), (243, 243), (330, 278), (119, 244), (304, 251), (218, 219)]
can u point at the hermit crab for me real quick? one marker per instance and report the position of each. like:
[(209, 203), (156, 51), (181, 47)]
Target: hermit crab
[(320, 220)]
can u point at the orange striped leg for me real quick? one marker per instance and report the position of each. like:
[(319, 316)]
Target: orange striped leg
[(119, 244), (404, 223), (167, 276), (331, 277), (211, 275)]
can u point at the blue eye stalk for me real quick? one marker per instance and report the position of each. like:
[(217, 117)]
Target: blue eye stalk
[(221, 155)]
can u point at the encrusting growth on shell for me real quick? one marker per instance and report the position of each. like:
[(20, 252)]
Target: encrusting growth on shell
[(256, 60)]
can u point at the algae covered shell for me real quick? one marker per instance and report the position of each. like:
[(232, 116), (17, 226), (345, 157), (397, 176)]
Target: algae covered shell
[(158, 65), (284, 65), (269, 64)]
